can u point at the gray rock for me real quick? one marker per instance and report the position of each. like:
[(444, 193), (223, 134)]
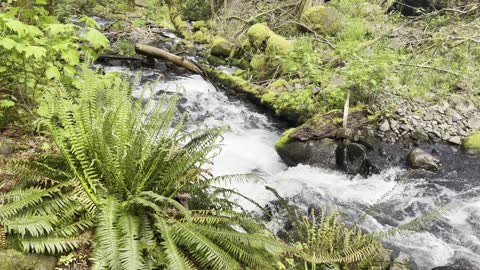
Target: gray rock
[(393, 124), (7, 146), (456, 140), (453, 114), (314, 152), (419, 159), (344, 133), (12, 259), (474, 123), (385, 126)]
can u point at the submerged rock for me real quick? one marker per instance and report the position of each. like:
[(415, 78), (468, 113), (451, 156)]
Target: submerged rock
[(419, 159), (12, 259)]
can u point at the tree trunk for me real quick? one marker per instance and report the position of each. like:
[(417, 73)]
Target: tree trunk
[(162, 54)]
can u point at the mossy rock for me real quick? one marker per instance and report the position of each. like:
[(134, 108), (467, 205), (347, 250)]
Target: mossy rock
[(472, 142), (162, 18), (15, 260), (217, 61), (200, 37), (322, 19), (198, 25), (278, 45), (258, 62), (259, 34), (284, 139), (221, 47)]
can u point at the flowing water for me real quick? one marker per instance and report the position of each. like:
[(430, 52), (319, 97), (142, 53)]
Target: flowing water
[(249, 148)]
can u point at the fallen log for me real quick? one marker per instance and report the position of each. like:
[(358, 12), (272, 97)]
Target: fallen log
[(162, 54), (119, 57)]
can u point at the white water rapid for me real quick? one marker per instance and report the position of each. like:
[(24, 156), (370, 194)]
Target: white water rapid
[(249, 148)]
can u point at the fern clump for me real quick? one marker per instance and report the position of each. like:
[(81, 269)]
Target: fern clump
[(129, 172)]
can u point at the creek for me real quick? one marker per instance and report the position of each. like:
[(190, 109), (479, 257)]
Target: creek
[(248, 147)]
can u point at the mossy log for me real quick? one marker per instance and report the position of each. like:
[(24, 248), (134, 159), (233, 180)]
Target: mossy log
[(165, 55)]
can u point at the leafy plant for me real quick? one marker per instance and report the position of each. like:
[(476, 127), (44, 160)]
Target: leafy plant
[(38, 48), (130, 172)]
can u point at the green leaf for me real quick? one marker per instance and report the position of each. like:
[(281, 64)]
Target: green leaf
[(41, 2), (96, 39), (69, 70), (53, 73), (71, 56), (6, 104), (7, 43), (89, 22), (35, 51)]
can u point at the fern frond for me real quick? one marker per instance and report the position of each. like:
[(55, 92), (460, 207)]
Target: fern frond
[(33, 225), (203, 250), (51, 244), (107, 236), (176, 259), (130, 255)]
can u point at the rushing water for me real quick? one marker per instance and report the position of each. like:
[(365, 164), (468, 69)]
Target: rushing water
[(248, 148)]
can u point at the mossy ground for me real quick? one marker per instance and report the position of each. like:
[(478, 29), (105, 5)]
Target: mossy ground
[(472, 142)]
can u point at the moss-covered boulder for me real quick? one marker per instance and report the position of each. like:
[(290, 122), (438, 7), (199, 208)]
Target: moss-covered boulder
[(198, 25), (259, 34), (200, 37), (472, 142), (221, 47), (11, 259), (278, 45), (322, 19)]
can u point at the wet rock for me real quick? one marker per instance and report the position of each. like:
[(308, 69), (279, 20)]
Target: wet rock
[(314, 152), (382, 260), (344, 133), (460, 264), (12, 259), (353, 159), (419, 159), (401, 262)]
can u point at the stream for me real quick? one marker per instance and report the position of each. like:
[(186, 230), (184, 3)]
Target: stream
[(248, 147)]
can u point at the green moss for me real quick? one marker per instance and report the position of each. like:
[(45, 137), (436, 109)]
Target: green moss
[(472, 142), (235, 82), (198, 25), (200, 37), (284, 139), (220, 47), (269, 98), (278, 84), (216, 60), (258, 62), (278, 45), (162, 18), (12, 259), (258, 34), (322, 19), (124, 47)]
